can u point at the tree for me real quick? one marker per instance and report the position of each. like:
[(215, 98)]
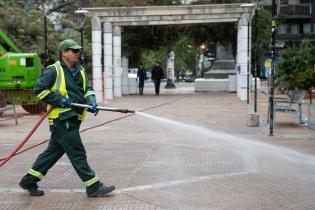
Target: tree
[(261, 28), (296, 68), (148, 57), (25, 26), (185, 53)]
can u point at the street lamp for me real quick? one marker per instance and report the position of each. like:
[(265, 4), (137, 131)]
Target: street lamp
[(273, 46), (202, 58), (250, 6), (81, 11), (45, 35)]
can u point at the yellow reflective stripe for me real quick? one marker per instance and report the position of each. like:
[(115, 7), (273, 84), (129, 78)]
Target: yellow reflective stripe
[(59, 77), (59, 86), (92, 181), (90, 92), (50, 121), (82, 117), (36, 173), (61, 110), (43, 94), (83, 78)]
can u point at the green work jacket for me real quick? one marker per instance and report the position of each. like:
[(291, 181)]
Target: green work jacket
[(74, 86)]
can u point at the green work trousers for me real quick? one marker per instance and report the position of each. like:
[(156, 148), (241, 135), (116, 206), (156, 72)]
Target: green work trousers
[(65, 138)]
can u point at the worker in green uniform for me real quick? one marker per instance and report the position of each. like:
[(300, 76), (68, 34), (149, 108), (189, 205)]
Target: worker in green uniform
[(61, 84)]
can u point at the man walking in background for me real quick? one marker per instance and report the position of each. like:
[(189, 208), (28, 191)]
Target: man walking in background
[(142, 76), (157, 75)]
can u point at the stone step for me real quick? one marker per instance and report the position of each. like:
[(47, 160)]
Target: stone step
[(219, 74)]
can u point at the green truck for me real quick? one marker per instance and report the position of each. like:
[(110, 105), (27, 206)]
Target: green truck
[(18, 74)]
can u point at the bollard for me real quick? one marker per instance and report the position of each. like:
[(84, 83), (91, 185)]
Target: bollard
[(252, 119)]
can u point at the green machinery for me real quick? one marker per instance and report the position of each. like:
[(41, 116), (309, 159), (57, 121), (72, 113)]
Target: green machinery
[(18, 74)]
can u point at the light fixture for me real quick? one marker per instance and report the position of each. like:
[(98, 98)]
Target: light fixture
[(81, 11), (247, 5)]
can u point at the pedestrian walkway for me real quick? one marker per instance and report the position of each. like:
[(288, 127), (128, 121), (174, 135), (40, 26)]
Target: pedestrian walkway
[(185, 151)]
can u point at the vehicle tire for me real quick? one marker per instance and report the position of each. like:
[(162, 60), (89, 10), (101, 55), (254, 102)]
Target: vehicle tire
[(38, 108)]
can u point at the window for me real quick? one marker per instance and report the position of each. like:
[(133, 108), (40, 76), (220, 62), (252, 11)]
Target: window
[(292, 2), (267, 2), (309, 28), (287, 28), (29, 62), (305, 1)]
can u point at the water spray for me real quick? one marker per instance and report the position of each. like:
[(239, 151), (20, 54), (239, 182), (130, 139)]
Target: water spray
[(111, 109)]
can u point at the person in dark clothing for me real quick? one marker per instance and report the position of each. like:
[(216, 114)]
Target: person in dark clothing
[(157, 75), (142, 75), (59, 86)]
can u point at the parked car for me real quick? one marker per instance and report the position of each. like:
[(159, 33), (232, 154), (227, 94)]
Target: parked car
[(189, 77), (149, 76), (132, 73)]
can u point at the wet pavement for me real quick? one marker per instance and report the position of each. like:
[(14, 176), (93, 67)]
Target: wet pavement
[(187, 151)]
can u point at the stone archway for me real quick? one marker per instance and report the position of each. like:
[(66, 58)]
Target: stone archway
[(107, 23)]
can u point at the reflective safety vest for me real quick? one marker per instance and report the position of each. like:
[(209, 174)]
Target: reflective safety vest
[(60, 87)]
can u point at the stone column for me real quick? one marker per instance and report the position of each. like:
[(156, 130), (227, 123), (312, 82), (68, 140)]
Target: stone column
[(117, 60), (108, 60), (125, 86), (242, 58), (97, 58)]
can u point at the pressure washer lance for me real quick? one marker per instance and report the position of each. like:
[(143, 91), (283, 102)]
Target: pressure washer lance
[(103, 108)]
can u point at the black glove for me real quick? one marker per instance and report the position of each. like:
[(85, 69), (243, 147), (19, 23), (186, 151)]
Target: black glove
[(65, 102), (93, 109)]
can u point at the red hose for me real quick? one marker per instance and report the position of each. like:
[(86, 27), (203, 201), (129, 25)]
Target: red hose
[(27, 148), (8, 157)]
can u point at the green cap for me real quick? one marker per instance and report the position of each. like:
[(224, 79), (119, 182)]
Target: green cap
[(68, 44)]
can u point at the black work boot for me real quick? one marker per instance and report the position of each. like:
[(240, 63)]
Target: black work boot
[(33, 190), (99, 191)]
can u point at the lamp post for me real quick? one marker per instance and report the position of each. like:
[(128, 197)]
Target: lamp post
[(255, 63), (81, 11), (45, 35), (250, 6), (271, 89), (202, 58)]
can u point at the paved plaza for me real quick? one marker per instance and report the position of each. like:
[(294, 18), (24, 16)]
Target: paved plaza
[(184, 150)]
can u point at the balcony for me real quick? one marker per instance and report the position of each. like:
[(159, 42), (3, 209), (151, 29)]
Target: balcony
[(296, 11)]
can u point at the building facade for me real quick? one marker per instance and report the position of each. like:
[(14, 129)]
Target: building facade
[(296, 20)]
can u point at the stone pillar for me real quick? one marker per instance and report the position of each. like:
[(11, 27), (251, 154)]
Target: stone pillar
[(125, 86), (117, 60), (97, 58), (242, 58), (108, 60)]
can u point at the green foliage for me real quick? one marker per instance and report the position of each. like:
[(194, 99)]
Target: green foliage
[(149, 57), (224, 34), (185, 53), (26, 28), (134, 39), (263, 32), (296, 68)]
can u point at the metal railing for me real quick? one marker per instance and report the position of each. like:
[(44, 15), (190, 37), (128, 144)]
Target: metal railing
[(296, 9)]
